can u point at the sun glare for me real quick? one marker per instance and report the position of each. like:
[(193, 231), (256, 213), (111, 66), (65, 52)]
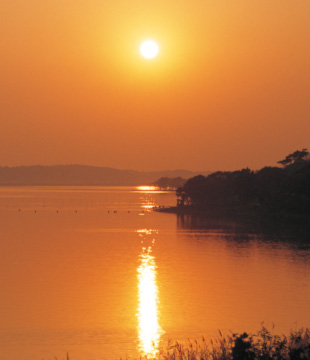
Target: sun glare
[(146, 188), (149, 49), (149, 328)]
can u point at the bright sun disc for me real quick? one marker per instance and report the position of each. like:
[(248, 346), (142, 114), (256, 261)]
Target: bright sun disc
[(149, 49)]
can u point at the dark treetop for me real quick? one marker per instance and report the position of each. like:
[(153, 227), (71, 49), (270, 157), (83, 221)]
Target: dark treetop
[(271, 190)]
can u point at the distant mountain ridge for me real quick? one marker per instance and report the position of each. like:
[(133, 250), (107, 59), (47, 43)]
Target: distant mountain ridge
[(84, 175)]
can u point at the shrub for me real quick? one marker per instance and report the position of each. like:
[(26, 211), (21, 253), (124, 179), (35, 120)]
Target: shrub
[(261, 346)]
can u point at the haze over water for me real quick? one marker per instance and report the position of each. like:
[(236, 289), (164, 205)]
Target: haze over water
[(93, 271)]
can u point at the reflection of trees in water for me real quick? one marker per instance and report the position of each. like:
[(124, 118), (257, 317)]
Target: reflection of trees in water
[(292, 230), (289, 237), (195, 222)]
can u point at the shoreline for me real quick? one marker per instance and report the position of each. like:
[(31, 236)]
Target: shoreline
[(189, 210)]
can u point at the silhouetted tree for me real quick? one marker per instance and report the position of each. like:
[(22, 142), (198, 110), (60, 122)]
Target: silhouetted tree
[(294, 157), (166, 182), (271, 190)]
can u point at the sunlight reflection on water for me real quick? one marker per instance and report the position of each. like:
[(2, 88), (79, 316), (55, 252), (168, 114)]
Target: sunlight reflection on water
[(149, 329)]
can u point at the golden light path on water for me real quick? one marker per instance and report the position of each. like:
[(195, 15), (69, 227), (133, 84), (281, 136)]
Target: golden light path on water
[(147, 188), (149, 329)]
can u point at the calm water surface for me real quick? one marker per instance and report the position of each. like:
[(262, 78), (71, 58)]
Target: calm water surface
[(93, 271)]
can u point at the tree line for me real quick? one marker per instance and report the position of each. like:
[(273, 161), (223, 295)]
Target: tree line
[(270, 190)]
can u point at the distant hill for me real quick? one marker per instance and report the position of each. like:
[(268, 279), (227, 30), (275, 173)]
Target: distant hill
[(84, 175)]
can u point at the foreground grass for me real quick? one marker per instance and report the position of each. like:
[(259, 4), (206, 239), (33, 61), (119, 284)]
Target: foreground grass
[(261, 346)]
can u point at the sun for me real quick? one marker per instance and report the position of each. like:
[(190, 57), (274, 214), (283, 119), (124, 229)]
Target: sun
[(149, 49)]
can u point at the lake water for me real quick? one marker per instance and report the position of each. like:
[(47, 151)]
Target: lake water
[(93, 271)]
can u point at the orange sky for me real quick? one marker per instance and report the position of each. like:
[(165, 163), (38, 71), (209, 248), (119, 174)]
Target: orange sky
[(229, 89)]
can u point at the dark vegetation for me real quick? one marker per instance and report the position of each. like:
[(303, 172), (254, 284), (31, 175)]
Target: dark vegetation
[(261, 346), (281, 190), (170, 183)]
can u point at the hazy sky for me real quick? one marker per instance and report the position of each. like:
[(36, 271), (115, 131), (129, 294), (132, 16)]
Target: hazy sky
[(230, 87)]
